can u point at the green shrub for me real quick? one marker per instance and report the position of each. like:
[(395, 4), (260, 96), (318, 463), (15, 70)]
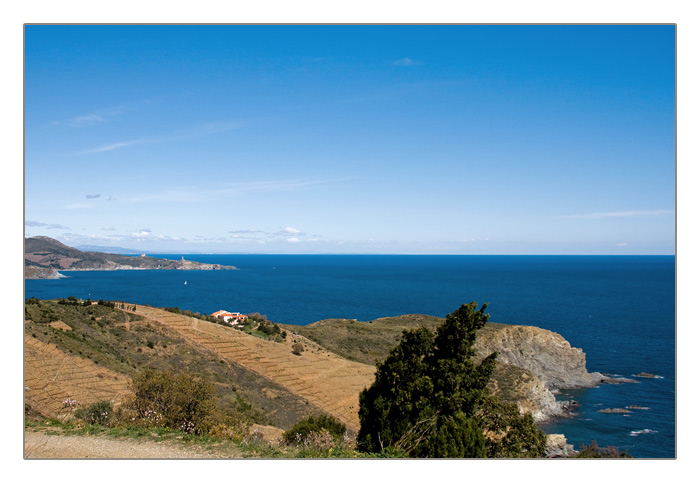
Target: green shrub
[(594, 451), (269, 328), (315, 427), (96, 413), (510, 434), (297, 348), (174, 400)]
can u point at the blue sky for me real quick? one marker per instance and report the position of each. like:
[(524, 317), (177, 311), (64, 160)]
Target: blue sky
[(352, 139)]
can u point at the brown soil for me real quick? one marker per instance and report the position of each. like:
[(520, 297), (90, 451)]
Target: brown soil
[(320, 377), (51, 376), (58, 324), (38, 445)]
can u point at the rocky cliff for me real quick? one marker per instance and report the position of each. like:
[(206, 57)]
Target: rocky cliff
[(544, 353), (533, 362)]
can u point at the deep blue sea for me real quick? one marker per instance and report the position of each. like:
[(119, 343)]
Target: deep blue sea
[(619, 309)]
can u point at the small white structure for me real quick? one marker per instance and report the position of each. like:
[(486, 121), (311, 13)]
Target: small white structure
[(233, 318)]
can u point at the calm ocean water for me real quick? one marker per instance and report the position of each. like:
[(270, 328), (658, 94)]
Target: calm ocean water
[(619, 310)]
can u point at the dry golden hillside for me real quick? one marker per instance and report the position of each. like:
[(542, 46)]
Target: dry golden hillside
[(320, 377), (51, 376)]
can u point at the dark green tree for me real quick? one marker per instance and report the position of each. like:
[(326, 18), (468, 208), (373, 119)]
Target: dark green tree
[(427, 392)]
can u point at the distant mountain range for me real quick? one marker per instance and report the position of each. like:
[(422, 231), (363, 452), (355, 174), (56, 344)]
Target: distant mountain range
[(118, 250), (45, 257)]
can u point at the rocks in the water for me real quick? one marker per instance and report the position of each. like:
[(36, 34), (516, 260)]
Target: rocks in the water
[(619, 380), (614, 411), (634, 406), (647, 375), (570, 407)]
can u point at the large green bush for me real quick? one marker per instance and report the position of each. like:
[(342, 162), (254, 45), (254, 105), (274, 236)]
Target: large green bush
[(174, 400), (427, 392)]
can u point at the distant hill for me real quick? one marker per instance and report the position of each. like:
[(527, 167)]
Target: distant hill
[(44, 257), (117, 250)]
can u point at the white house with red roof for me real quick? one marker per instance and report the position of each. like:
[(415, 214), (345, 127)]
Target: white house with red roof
[(233, 318)]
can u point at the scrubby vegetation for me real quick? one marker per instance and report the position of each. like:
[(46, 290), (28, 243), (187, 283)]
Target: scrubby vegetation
[(99, 413), (307, 428), (297, 348), (125, 342), (179, 400), (255, 324), (428, 398), (594, 451), (509, 434), (366, 342)]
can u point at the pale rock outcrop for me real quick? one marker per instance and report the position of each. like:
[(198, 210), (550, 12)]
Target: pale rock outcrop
[(532, 362), (557, 447), (544, 353)]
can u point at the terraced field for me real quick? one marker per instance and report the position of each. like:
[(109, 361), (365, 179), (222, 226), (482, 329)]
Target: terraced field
[(51, 376), (320, 377)]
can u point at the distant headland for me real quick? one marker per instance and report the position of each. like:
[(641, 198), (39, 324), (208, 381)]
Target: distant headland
[(45, 257)]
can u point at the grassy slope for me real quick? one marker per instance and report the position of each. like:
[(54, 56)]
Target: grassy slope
[(366, 342), (370, 342), (125, 343)]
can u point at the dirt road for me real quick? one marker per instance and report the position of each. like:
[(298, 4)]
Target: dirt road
[(39, 445)]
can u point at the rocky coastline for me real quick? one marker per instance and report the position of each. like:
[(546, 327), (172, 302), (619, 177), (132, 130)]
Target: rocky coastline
[(46, 258), (533, 365)]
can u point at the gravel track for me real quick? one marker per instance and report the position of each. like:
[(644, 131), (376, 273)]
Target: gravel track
[(38, 445)]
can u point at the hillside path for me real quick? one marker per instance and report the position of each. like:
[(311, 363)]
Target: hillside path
[(38, 445)]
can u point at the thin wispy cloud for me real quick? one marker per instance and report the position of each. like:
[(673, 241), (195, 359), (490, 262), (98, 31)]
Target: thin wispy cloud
[(49, 226), (123, 144), (34, 223), (247, 232), (91, 119), (194, 194), (290, 231), (278, 185), (189, 194), (91, 197), (406, 62), (193, 132), (620, 214)]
